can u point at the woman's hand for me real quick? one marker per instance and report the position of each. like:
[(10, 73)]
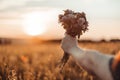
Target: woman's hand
[(69, 43)]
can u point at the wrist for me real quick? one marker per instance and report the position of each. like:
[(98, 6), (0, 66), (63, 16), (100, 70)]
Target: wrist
[(75, 49), (76, 52)]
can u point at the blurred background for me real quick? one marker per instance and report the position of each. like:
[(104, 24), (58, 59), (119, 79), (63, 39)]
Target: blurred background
[(39, 18)]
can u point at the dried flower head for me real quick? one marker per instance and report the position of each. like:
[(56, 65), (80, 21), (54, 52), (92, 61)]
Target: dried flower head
[(75, 23)]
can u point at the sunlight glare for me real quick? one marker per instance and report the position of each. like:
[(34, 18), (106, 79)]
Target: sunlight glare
[(34, 23)]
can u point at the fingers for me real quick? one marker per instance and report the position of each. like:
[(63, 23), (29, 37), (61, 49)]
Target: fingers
[(68, 43), (69, 40), (68, 37)]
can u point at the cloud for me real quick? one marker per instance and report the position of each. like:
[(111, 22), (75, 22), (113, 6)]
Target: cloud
[(99, 8), (9, 4), (6, 5)]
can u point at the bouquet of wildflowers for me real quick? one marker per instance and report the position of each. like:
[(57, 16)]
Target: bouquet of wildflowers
[(75, 24)]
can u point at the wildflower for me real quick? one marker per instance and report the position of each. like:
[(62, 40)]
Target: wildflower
[(74, 23)]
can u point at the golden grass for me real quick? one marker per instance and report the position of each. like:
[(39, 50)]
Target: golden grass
[(39, 62)]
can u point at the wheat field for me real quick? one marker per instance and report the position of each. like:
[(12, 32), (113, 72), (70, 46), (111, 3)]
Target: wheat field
[(40, 61)]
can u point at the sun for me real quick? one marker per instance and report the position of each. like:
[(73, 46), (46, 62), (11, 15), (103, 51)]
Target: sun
[(34, 23)]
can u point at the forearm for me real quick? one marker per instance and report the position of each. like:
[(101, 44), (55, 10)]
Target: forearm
[(76, 52), (84, 56)]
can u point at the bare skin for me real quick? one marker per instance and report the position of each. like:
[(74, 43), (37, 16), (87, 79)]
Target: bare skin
[(91, 60)]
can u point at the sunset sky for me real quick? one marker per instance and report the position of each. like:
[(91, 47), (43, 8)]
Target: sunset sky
[(30, 18)]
